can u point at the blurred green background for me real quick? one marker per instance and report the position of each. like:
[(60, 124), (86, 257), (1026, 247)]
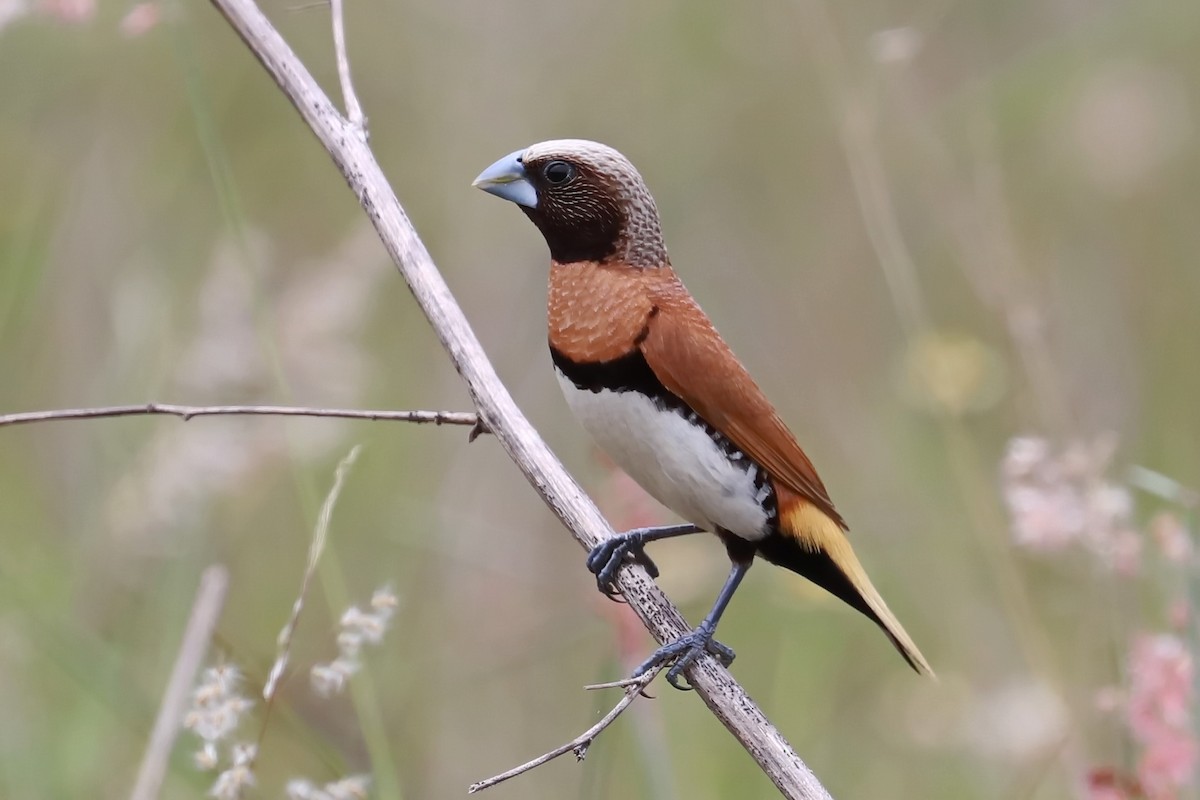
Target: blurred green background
[(926, 227)]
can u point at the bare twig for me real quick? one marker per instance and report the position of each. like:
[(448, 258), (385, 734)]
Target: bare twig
[(354, 112), (205, 611), (187, 412), (621, 684), (580, 744), (720, 692)]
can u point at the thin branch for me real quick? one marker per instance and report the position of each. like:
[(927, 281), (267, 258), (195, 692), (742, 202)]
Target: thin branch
[(621, 684), (206, 609), (354, 112), (187, 412), (716, 687), (580, 744)]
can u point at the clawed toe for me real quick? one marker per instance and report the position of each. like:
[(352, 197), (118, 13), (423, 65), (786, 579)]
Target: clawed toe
[(683, 653), (600, 556), (605, 561), (647, 563)]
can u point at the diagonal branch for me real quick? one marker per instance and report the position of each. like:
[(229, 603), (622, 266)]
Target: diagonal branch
[(187, 412), (719, 691)]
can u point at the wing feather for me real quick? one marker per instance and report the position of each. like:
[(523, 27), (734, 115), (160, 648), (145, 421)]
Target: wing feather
[(691, 359)]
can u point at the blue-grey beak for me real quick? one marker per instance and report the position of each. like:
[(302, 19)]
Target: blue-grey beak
[(506, 178)]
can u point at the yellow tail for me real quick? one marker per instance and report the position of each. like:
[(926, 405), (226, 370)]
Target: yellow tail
[(813, 545)]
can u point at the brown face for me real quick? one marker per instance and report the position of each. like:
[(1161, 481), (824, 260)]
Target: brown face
[(586, 198), (577, 211)]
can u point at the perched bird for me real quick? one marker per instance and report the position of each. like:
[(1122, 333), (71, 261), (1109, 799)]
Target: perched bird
[(652, 381)]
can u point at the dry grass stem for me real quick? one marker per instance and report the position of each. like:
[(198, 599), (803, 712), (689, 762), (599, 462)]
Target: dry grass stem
[(206, 610), (1163, 486), (315, 549)]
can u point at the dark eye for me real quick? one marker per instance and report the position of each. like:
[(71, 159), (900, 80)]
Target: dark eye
[(558, 172)]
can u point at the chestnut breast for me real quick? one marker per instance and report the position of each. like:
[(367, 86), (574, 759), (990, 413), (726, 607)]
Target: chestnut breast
[(596, 312), (598, 317)]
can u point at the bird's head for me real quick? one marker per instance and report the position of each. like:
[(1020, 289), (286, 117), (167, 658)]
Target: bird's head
[(588, 201)]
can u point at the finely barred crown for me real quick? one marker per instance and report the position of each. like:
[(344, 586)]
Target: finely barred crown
[(601, 210)]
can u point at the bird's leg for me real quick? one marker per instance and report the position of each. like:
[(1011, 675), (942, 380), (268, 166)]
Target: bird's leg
[(685, 650), (607, 557)]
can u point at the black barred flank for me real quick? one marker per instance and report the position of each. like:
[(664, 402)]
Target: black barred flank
[(632, 373)]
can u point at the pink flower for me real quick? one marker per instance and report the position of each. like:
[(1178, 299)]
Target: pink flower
[(1159, 713), (1167, 765), (1172, 537), (1024, 456), (73, 12), (140, 19), (1059, 499), (1106, 792), (1124, 553), (1045, 518), (1179, 613), (1104, 783), (1160, 691)]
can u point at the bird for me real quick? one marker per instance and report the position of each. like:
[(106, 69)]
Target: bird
[(649, 377)]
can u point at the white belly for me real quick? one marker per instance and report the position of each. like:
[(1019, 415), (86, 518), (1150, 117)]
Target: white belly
[(676, 461)]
